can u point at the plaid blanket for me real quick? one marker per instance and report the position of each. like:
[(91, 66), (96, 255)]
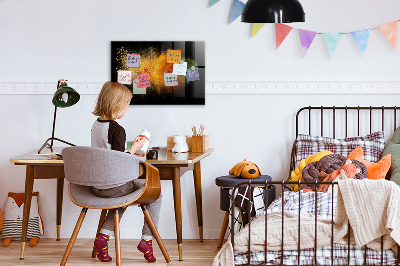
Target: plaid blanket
[(324, 257), (323, 205)]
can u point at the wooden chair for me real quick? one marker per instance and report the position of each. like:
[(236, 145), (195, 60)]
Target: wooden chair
[(85, 167)]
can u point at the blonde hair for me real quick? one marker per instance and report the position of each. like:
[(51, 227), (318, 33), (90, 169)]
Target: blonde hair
[(112, 99)]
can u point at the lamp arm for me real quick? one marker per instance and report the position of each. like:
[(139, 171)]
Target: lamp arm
[(54, 118), (54, 126)]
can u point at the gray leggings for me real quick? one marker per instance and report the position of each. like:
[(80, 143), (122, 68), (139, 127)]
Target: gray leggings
[(154, 208)]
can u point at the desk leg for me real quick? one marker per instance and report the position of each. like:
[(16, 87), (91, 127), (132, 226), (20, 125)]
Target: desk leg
[(176, 182), (199, 204), (27, 206), (60, 190)]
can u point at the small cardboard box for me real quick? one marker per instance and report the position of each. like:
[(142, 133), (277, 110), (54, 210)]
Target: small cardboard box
[(200, 143), (171, 143)]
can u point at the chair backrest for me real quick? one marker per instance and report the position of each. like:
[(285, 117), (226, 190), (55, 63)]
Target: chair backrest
[(92, 166)]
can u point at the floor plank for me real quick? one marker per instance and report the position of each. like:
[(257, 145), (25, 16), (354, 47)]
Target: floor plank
[(49, 252)]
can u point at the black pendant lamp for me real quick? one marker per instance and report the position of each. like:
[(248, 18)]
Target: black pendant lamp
[(273, 11)]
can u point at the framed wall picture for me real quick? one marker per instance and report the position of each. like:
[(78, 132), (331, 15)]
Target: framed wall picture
[(160, 72)]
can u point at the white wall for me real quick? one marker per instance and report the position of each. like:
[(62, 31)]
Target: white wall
[(42, 41)]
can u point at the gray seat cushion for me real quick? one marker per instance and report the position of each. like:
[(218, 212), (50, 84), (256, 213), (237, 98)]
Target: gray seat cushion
[(83, 196)]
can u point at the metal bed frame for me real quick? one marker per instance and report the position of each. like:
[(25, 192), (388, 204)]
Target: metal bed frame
[(283, 184)]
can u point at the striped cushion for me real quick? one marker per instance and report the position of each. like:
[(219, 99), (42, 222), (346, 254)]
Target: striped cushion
[(372, 145), (13, 228)]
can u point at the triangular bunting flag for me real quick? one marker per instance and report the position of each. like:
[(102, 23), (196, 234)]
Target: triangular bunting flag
[(306, 39), (237, 9), (256, 28), (389, 30), (281, 31), (213, 2), (332, 41), (361, 38)]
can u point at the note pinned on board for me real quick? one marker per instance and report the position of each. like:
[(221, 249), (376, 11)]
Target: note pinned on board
[(136, 90), (192, 75), (170, 79), (133, 60), (180, 69), (174, 56), (125, 77), (144, 80)]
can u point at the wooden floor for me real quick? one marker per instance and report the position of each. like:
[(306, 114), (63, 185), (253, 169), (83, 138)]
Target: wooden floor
[(50, 252)]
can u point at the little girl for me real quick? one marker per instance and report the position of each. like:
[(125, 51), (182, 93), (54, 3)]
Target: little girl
[(112, 103)]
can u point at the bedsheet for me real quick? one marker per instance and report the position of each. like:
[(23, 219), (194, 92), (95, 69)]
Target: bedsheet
[(324, 257), (323, 205)]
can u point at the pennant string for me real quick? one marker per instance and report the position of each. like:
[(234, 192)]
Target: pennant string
[(346, 32)]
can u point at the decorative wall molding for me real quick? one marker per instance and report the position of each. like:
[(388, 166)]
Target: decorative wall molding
[(233, 87), (304, 87), (47, 88)]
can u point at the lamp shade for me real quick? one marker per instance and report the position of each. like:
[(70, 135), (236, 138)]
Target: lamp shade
[(65, 96), (273, 11)]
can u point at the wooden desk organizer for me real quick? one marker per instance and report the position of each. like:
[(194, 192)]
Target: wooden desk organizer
[(200, 143), (195, 143)]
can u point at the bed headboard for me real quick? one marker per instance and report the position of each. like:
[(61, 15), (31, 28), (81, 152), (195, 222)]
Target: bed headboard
[(344, 121), (347, 116)]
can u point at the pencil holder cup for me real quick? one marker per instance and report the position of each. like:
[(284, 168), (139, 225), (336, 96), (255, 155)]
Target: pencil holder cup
[(200, 143)]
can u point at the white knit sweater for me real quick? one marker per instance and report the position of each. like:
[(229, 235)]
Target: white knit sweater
[(373, 209)]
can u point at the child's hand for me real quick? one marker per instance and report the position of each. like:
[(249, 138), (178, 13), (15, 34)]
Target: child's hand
[(137, 144), (143, 155)]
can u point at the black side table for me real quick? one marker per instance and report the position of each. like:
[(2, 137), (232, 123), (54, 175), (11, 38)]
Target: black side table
[(226, 183)]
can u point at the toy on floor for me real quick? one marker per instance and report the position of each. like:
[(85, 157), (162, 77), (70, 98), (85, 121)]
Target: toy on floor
[(245, 169), (13, 215)]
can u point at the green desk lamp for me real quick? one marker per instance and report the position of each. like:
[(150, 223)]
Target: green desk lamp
[(65, 96)]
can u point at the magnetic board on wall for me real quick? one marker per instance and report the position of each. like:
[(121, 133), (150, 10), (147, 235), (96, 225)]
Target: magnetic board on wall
[(160, 72)]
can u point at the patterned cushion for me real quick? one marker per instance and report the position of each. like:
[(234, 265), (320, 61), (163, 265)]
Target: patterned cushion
[(372, 144)]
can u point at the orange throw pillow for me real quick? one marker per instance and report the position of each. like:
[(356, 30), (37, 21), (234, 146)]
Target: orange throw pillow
[(375, 170)]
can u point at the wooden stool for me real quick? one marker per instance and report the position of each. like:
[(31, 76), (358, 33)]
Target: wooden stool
[(226, 183)]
